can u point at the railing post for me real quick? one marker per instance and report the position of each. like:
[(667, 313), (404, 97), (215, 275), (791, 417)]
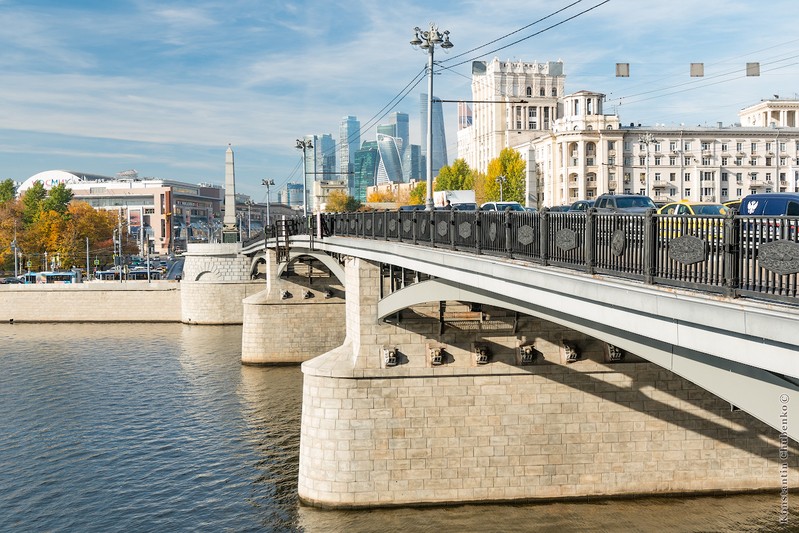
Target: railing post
[(431, 229), (732, 228), (508, 228), (385, 224), (478, 239), (590, 240), (414, 221), (452, 228), (543, 231), (650, 246)]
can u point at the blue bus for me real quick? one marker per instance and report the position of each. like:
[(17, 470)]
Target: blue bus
[(66, 276)]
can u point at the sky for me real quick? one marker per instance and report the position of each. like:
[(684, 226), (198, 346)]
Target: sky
[(162, 87)]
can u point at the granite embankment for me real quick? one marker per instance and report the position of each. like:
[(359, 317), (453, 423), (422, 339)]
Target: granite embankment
[(135, 301)]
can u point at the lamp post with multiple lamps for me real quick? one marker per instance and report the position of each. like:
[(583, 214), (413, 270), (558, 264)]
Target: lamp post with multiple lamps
[(427, 40), (304, 145), (646, 140), (267, 183)]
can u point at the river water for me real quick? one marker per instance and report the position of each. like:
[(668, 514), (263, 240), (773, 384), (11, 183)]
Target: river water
[(142, 427)]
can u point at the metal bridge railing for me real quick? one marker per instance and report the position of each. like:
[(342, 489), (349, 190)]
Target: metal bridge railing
[(734, 255)]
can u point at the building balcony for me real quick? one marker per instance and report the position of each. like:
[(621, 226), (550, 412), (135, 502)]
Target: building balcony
[(659, 183), (612, 184), (709, 198), (758, 183)]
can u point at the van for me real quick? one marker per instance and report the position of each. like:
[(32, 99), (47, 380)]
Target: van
[(771, 204)]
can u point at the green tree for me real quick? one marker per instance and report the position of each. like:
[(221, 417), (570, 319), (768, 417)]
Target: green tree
[(418, 194), (32, 203), (58, 199), (8, 191), (509, 168), (457, 177)]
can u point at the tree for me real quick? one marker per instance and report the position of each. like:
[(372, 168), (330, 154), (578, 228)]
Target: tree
[(418, 194), (341, 202), (510, 165), (457, 177), (381, 196), (58, 199), (8, 191), (32, 203)]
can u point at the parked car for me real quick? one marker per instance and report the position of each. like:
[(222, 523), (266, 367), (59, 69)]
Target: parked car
[(9, 280), (501, 206), (623, 203), (673, 227), (581, 206), (771, 204), (415, 207), (531, 209), (559, 208), (464, 206), (733, 204)]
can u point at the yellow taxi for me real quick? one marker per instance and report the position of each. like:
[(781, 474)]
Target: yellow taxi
[(733, 204), (699, 226)]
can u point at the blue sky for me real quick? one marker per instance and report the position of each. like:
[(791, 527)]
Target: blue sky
[(162, 86)]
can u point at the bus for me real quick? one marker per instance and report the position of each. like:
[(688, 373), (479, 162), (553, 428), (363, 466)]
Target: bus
[(66, 276), (141, 274)]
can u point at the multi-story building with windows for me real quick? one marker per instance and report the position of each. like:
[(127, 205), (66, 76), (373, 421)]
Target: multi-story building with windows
[(513, 102), (348, 143), (587, 153), (439, 148)]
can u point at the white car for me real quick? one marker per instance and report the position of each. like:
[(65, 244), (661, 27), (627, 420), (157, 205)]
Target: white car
[(501, 206)]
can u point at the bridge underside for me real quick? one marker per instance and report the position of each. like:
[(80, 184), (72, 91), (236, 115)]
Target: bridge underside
[(751, 389)]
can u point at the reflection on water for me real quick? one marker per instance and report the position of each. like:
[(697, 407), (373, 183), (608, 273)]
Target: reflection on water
[(157, 427)]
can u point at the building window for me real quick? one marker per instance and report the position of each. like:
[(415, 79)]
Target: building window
[(753, 161), (628, 146), (768, 176), (724, 147), (611, 145), (705, 161), (529, 91), (673, 146), (657, 176), (628, 161), (753, 176), (738, 161), (707, 191), (554, 91), (687, 161), (723, 176), (688, 192), (626, 191), (782, 147), (739, 147), (542, 92), (642, 192), (589, 160), (724, 193), (687, 145), (611, 176), (707, 176), (768, 161), (738, 192), (686, 176), (724, 161), (768, 147), (705, 145), (642, 160), (518, 124), (782, 161), (672, 176), (672, 160), (782, 176), (739, 177), (611, 160), (627, 176), (753, 147)]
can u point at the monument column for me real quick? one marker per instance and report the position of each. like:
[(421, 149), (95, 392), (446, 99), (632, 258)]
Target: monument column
[(229, 231)]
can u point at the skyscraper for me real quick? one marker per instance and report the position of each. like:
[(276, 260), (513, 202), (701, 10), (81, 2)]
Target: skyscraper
[(320, 161), (439, 137), (365, 169), (389, 168), (348, 143)]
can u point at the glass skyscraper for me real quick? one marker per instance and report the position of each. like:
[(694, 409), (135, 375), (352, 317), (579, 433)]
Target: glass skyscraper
[(439, 156), (348, 143), (365, 169)]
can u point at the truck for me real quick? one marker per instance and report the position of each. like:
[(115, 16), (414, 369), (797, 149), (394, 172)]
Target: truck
[(455, 197)]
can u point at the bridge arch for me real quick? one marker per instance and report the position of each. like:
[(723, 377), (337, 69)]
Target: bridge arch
[(327, 260)]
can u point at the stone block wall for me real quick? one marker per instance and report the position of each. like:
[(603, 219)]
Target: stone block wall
[(459, 432), (98, 301), (216, 302)]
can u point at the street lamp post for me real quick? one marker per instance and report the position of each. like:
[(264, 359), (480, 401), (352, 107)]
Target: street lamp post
[(267, 183), (304, 145), (646, 139), (501, 180), (427, 40)]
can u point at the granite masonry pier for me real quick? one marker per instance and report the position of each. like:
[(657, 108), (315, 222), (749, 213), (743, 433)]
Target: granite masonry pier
[(499, 408), (300, 315), (216, 279)]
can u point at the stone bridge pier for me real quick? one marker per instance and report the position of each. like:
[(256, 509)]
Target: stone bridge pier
[(299, 315), (455, 402)]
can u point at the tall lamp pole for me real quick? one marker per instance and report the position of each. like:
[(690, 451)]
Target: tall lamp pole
[(427, 40), (646, 139), (268, 220), (304, 145)]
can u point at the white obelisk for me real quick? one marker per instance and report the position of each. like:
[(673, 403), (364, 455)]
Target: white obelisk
[(229, 231)]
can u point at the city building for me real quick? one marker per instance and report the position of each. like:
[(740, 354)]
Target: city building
[(389, 165), (439, 136), (320, 163), (365, 170), (348, 143), (322, 190), (587, 153), (513, 102)]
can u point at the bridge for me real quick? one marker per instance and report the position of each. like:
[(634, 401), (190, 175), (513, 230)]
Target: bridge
[(450, 295)]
